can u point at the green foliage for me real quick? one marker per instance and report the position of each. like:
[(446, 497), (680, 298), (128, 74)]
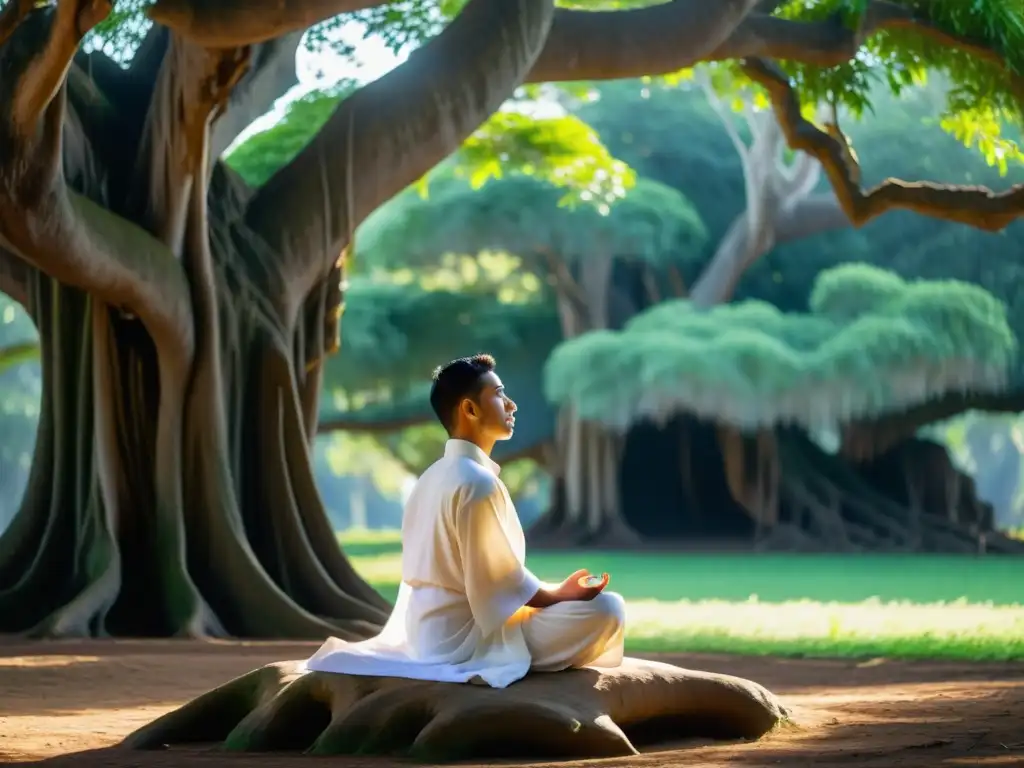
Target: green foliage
[(393, 335), (983, 95), (405, 24), (361, 455), (122, 32), (19, 379), (848, 291), (259, 156), (862, 353), (562, 151), (671, 136), (366, 409), (565, 152), (520, 215)]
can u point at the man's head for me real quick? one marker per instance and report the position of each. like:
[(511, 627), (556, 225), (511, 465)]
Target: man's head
[(470, 401)]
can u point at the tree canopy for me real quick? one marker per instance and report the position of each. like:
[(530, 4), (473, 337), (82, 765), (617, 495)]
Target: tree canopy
[(872, 343), (387, 344), (521, 215)]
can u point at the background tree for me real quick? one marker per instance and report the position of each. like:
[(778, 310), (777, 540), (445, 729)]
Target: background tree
[(872, 344)]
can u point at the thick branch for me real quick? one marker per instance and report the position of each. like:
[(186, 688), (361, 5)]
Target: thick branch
[(830, 42), (234, 23), (863, 440), (85, 246), (778, 206), (734, 256), (271, 73), (44, 73), (69, 236), (579, 44), (63, 234), (978, 207), (393, 131), (193, 86), (606, 45)]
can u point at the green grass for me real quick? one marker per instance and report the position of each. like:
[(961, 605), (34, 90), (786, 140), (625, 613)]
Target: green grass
[(917, 606)]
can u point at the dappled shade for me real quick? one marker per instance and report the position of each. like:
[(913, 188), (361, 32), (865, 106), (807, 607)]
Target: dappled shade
[(873, 344), (584, 713)]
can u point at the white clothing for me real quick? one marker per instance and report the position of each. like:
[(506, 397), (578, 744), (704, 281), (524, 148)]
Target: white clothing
[(461, 612), (577, 634)]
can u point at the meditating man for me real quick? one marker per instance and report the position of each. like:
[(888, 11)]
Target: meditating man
[(468, 609)]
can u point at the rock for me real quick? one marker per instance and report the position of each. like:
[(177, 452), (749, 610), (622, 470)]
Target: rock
[(585, 713)]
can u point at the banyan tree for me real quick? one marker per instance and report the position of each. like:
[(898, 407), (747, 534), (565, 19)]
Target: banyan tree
[(746, 399), (184, 316)]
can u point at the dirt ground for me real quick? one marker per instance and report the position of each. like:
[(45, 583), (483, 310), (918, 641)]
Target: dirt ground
[(69, 703)]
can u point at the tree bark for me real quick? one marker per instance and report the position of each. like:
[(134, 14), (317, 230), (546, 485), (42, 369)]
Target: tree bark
[(780, 204), (230, 538), (236, 23), (909, 500), (656, 40), (974, 206), (585, 508), (172, 490), (391, 132), (271, 75)]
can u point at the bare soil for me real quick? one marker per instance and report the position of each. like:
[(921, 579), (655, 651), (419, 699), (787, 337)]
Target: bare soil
[(69, 703)]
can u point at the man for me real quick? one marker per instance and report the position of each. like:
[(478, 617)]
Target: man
[(468, 610)]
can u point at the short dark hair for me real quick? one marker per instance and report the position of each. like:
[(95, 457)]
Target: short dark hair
[(455, 381)]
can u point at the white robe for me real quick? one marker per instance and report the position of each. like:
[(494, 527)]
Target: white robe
[(461, 612)]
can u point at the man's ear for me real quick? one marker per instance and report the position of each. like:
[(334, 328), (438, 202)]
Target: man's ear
[(469, 408)]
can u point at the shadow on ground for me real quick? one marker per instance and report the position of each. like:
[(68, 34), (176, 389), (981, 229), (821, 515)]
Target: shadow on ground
[(61, 700)]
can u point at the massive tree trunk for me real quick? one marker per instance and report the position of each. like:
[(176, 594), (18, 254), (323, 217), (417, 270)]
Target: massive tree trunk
[(172, 491), (586, 502)]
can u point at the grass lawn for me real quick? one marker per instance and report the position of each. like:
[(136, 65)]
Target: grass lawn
[(916, 606)]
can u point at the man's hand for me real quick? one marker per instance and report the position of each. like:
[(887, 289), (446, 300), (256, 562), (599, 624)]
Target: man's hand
[(568, 591)]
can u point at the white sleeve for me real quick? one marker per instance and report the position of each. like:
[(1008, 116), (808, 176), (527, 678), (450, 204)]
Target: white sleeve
[(497, 583)]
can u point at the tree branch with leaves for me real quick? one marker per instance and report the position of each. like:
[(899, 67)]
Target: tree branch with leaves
[(780, 198)]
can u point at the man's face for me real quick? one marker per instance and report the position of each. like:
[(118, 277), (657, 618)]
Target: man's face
[(495, 409)]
